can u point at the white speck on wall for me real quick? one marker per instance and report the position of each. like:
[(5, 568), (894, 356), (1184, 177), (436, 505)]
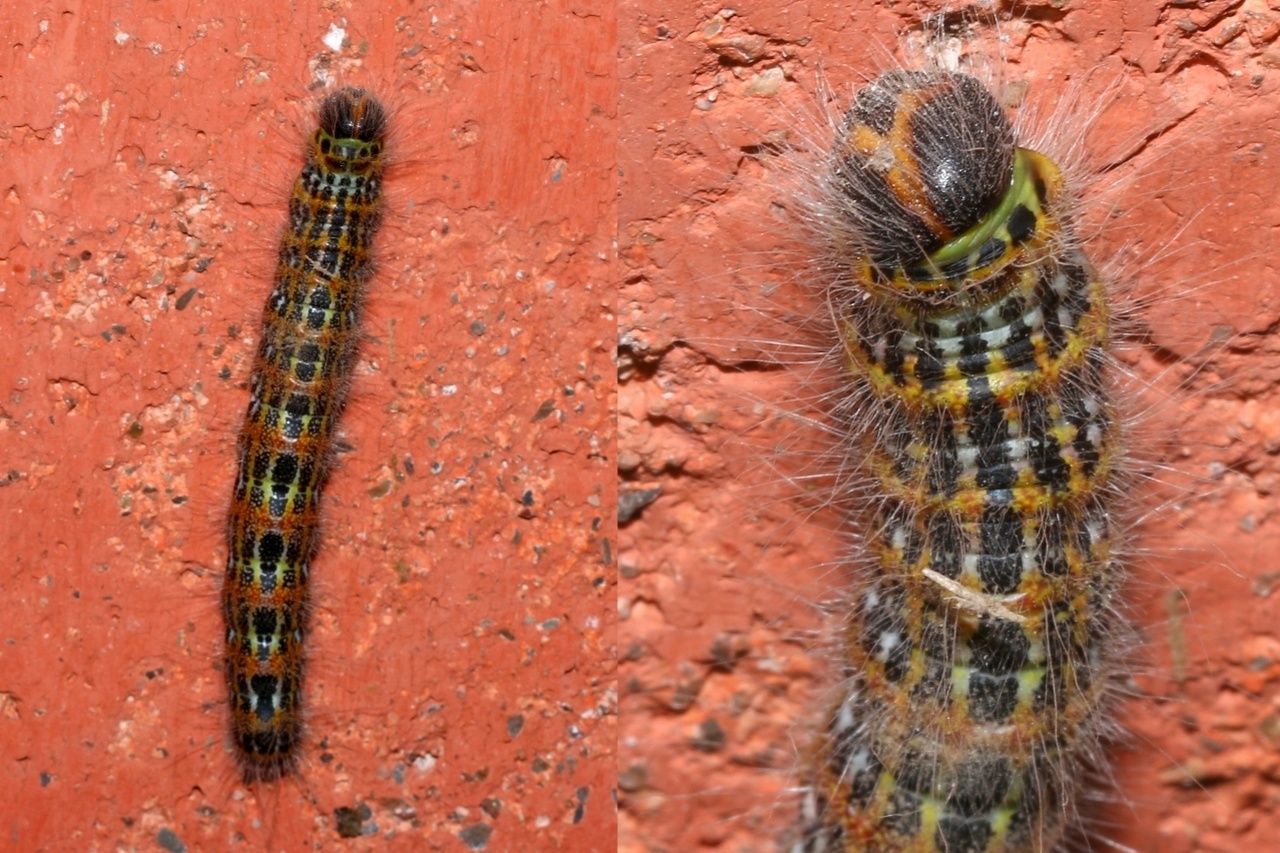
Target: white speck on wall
[(121, 37), (335, 37)]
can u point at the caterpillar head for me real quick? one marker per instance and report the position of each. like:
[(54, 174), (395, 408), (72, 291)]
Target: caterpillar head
[(935, 193), (922, 158), (353, 113)]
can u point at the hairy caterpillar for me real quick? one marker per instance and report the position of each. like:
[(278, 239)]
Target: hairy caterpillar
[(727, 381), (310, 329), (977, 659)]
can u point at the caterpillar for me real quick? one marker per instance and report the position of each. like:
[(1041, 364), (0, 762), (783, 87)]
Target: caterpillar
[(977, 660), (299, 383)]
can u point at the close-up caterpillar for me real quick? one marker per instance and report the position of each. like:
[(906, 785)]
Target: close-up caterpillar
[(977, 655), (301, 376), (919, 299)]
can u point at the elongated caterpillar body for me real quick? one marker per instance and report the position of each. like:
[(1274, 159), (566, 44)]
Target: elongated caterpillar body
[(976, 659), (310, 329)]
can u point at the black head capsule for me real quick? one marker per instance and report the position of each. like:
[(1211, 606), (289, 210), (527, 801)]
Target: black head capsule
[(353, 113), (923, 157)]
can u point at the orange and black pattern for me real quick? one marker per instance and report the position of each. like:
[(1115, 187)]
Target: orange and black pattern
[(976, 660), (300, 376)]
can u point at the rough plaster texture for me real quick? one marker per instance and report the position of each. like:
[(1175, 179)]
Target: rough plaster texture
[(723, 574), (462, 690)]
